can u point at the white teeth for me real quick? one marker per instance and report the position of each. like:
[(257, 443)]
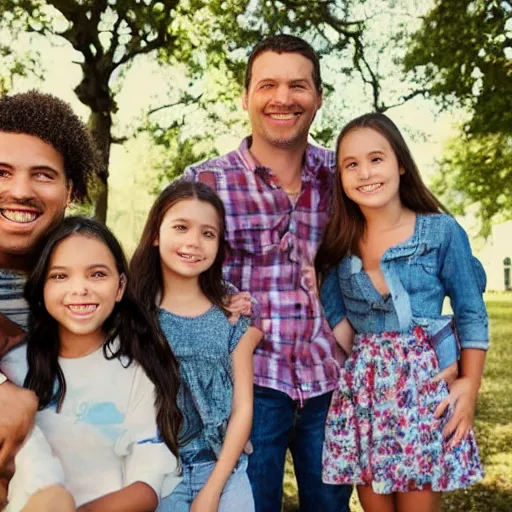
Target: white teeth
[(282, 116), (189, 257), (82, 308), (370, 188), (19, 216)]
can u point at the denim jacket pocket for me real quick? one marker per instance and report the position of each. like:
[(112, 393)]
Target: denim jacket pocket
[(426, 258)]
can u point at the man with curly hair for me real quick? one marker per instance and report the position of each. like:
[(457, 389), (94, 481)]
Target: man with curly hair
[(47, 159)]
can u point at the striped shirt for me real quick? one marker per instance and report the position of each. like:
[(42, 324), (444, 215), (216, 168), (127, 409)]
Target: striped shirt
[(272, 245), (12, 303)]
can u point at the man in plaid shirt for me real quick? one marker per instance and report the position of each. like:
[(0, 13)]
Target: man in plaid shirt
[(277, 192)]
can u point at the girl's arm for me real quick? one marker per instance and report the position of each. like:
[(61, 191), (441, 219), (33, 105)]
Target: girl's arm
[(239, 426), (344, 335), (136, 497), (335, 312), (464, 280), (463, 395)]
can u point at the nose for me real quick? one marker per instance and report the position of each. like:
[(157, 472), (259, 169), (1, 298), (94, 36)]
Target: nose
[(20, 186), (364, 171), (282, 94), (78, 286), (193, 238)]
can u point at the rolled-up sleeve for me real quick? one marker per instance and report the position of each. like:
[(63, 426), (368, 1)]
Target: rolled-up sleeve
[(464, 280), (332, 299)]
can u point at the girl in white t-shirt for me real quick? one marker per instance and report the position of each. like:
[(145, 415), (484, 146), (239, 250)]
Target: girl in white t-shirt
[(105, 377)]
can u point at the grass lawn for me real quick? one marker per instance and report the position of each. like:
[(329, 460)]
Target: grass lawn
[(493, 426)]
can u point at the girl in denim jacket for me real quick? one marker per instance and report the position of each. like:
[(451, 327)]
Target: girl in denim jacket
[(389, 257), (177, 271)]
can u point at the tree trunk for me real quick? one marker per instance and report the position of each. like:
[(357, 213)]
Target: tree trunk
[(100, 124)]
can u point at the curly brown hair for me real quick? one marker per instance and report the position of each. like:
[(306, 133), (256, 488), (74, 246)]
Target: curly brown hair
[(53, 121)]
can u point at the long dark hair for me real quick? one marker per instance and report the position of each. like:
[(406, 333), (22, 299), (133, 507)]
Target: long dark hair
[(347, 224), (139, 337), (145, 264)]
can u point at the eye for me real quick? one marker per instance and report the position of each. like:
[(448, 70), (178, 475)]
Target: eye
[(180, 227), (4, 173), (351, 165), (376, 159), (209, 234), (57, 276), (266, 86), (43, 176), (98, 274), (298, 86)]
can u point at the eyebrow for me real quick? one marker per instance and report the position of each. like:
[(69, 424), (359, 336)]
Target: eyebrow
[(89, 267), (33, 168), (374, 152), (181, 219)]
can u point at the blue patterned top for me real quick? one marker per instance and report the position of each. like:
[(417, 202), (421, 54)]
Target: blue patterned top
[(203, 346)]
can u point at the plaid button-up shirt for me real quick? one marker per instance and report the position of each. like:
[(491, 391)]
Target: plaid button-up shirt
[(272, 245)]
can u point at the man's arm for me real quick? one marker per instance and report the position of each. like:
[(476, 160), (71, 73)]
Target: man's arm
[(18, 407), (11, 334)]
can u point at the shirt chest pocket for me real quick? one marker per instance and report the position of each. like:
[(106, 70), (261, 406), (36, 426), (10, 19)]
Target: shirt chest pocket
[(253, 233)]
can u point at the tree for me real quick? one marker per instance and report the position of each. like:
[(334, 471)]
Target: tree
[(478, 170), (463, 54), (204, 34)]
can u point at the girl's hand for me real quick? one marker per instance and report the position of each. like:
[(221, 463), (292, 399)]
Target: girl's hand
[(239, 304), (206, 501), (449, 375), (463, 396)]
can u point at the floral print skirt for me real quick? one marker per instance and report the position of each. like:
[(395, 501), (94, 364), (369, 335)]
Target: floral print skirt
[(381, 430)]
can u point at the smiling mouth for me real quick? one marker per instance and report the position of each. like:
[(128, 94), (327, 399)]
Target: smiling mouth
[(19, 216), (285, 117), (190, 257), (370, 188), (82, 309)]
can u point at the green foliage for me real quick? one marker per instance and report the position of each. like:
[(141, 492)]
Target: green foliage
[(478, 170), (463, 53)]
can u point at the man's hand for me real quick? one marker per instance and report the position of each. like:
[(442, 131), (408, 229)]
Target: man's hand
[(6, 474), (18, 407), (11, 334)]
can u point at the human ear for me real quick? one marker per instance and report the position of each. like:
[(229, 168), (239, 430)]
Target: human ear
[(122, 287), (244, 101)]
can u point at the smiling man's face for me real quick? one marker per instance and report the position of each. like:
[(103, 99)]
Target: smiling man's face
[(34, 192), (282, 99)]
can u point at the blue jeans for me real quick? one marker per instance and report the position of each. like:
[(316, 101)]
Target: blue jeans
[(280, 423), (236, 496)]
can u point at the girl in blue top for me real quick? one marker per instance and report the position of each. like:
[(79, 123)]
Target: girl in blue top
[(177, 271), (388, 259)]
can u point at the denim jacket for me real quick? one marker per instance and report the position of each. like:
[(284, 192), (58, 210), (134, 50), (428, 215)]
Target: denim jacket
[(434, 263)]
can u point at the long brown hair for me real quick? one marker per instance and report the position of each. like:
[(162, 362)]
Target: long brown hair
[(145, 264), (347, 225), (138, 336)]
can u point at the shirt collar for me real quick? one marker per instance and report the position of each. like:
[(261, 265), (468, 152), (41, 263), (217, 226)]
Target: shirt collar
[(312, 160)]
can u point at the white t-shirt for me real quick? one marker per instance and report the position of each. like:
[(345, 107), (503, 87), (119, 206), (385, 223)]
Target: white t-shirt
[(105, 435)]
